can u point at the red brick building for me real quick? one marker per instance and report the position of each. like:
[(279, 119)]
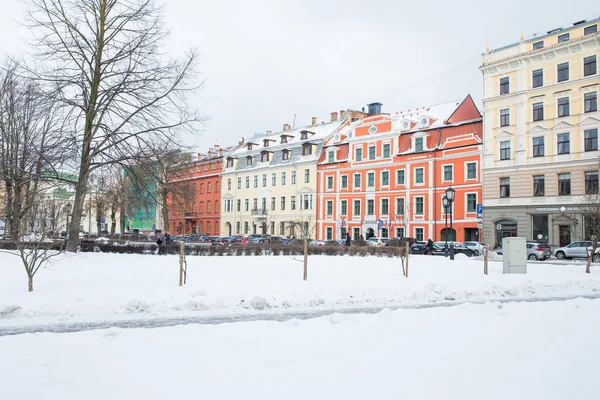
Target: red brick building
[(385, 174), (197, 208)]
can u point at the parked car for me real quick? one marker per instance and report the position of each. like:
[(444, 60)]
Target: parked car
[(337, 242), (317, 243), (577, 250), (398, 242), (477, 247), (375, 241), (278, 240), (418, 248), (537, 251)]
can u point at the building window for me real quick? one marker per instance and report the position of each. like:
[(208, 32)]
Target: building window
[(370, 207), (371, 152), (283, 176), (249, 161), (344, 207), (255, 181), (273, 203), (307, 176), (264, 156), (238, 205), (590, 29), (564, 184), (208, 210), (356, 181), (201, 188), (228, 184), (563, 107), (538, 45), (400, 177), (306, 201), (344, 181), (505, 150), (331, 156), (504, 86), (386, 150), (246, 228), (419, 206), (419, 234), (419, 144), (237, 228), (264, 203), (538, 147), (247, 182), (330, 183), (590, 138), (385, 206), (563, 72), (564, 145), (239, 183), (303, 135), (255, 203), (201, 207), (209, 187), (589, 66), (274, 179), (504, 117), (419, 175), (216, 206), (246, 204), (399, 205), (400, 232), (293, 203), (591, 102), (329, 233), (358, 155), (538, 185), (504, 187), (356, 211), (329, 207), (229, 162), (264, 180), (538, 78), (385, 178), (285, 155), (538, 111), (472, 170), (306, 149), (370, 179), (564, 37), (472, 202), (591, 182), (384, 233), (293, 177), (448, 173), (282, 228)]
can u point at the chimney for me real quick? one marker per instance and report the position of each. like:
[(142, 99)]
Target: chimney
[(314, 120), (217, 147), (269, 132), (242, 140), (374, 108), (334, 116), (209, 152), (342, 113), (286, 127)]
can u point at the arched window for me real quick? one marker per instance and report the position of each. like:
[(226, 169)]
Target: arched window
[(208, 227), (201, 227), (209, 187), (208, 207), (216, 206)]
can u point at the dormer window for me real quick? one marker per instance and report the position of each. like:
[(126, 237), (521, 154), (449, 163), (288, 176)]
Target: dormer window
[(285, 155), (264, 156), (229, 162), (266, 143), (303, 135), (419, 144), (425, 121), (306, 149), (249, 146), (249, 160), (331, 156), (283, 139)]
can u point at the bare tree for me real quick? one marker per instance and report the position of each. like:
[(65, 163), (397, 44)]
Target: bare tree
[(589, 211), (304, 228), (104, 59)]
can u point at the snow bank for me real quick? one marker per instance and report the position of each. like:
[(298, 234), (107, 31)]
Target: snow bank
[(92, 287), (470, 352)]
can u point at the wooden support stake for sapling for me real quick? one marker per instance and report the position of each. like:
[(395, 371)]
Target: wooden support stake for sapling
[(407, 254), (181, 253)]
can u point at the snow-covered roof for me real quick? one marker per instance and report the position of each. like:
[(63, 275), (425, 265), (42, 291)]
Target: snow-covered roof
[(436, 115)]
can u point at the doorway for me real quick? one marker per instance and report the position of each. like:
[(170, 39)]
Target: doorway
[(564, 235), (370, 233)]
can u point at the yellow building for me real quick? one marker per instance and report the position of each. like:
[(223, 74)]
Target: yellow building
[(541, 121), (269, 184)]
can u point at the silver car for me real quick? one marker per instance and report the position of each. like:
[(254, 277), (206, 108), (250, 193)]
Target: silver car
[(577, 250), (535, 251)]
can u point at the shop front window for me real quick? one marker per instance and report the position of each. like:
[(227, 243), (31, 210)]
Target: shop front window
[(540, 227)]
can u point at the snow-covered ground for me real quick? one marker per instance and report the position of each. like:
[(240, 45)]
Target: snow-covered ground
[(98, 287), (517, 351)]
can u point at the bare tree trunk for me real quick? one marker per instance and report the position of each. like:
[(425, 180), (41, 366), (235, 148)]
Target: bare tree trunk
[(305, 258), (80, 192), (588, 266), (113, 220), (30, 284), (407, 256)]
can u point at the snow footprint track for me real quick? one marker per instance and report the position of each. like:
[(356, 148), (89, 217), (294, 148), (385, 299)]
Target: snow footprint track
[(282, 316)]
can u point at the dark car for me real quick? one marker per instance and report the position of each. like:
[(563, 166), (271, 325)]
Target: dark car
[(418, 248), (399, 242)]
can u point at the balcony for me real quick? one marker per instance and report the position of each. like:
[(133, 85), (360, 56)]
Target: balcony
[(191, 215), (259, 212)]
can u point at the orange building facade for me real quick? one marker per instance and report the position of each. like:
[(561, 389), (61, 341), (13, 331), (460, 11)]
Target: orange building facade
[(385, 174), (194, 206)]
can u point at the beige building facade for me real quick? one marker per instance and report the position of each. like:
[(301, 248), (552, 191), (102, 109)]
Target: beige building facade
[(269, 184), (541, 120)]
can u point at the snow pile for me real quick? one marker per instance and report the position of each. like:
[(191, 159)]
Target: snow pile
[(94, 287), (470, 352)]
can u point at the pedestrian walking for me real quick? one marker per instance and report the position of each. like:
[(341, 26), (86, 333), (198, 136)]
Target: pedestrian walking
[(429, 246), (348, 240)]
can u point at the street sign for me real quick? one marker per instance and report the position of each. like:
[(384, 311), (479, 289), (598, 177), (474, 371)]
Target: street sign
[(479, 208)]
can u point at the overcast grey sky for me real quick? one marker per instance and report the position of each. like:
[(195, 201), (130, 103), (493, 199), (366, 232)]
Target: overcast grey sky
[(266, 60)]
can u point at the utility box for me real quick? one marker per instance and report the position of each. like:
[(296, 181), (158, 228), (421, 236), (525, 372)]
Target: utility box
[(514, 255)]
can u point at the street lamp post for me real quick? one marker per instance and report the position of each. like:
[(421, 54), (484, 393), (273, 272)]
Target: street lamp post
[(450, 198), (68, 211), (445, 204)]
